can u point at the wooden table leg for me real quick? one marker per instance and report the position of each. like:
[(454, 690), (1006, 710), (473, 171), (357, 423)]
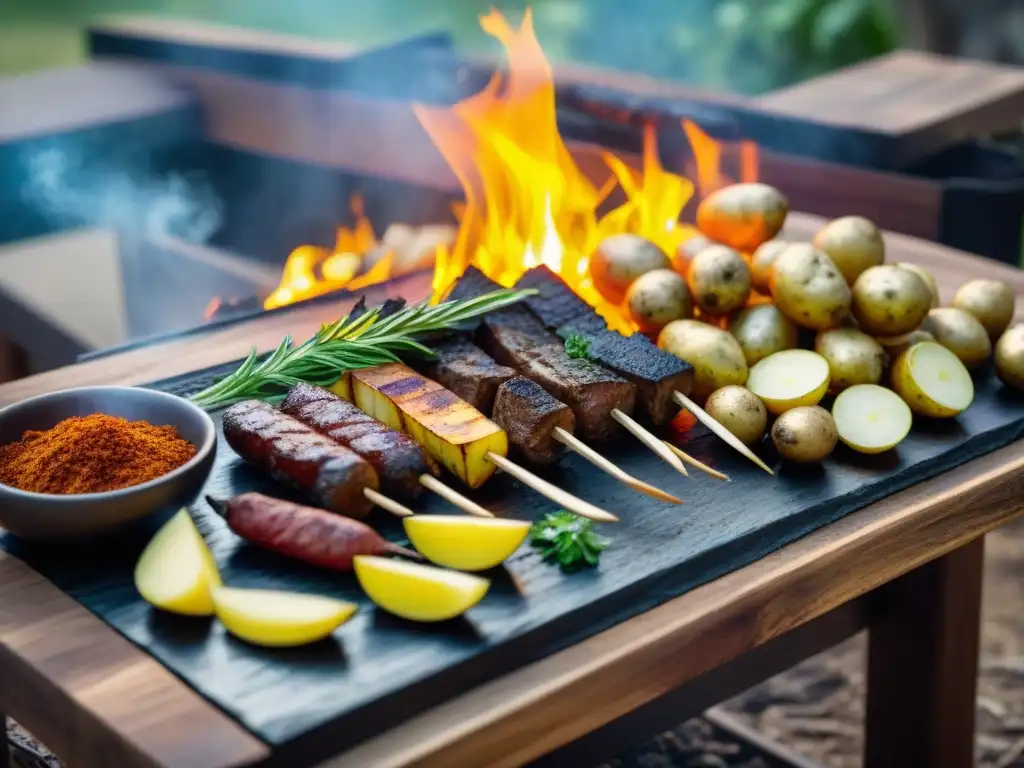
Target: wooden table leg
[(923, 665)]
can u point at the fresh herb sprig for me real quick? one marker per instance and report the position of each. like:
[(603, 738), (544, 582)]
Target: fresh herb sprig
[(568, 539), (577, 347), (346, 345)]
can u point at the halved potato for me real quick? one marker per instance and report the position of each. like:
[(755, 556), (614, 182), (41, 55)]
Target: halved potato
[(418, 592), (465, 543), (870, 418), (932, 381), (789, 379), (279, 619), (176, 571)]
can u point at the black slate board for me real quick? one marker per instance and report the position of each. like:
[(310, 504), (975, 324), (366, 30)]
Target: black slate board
[(379, 670)]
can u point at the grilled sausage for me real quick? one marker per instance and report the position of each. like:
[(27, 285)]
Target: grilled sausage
[(397, 458), (330, 474)]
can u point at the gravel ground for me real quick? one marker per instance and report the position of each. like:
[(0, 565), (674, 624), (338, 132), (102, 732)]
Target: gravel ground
[(816, 708)]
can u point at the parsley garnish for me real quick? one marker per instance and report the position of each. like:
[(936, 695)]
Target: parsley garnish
[(567, 539), (578, 347)]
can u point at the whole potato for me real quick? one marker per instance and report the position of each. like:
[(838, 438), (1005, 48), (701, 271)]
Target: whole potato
[(991, 301), (928, 277), (853, 358), (719, 280), (686, 251), (897, 345), (853, 243), (763, 330), (762, 262), (1010, 357), (657, 298), (962, 334), (890, 301), (808, 288), (806, 434), (740, 411), (743, 216), (621, 259), (715, 355)]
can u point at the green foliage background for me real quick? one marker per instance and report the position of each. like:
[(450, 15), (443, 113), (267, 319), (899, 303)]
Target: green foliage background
[(743, 45)]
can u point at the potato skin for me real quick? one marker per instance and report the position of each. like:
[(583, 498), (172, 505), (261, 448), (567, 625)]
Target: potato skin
[(719, 280), (928, 277), (686, 251), (990, 301), (853, 358), (657, 298), (743, 216), (715, 355), (805, 435), (1009, 357), (890, 301), (740, 411), (762, 262), (853, 243), (621, 259), (763, 330), (809, 289), (962, 334)]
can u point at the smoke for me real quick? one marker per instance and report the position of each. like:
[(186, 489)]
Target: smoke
[(69, 190)]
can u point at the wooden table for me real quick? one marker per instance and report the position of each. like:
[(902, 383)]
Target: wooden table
[(907, 568)]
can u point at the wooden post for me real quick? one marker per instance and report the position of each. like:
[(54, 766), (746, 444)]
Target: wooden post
[(923, 665), (13, 361)]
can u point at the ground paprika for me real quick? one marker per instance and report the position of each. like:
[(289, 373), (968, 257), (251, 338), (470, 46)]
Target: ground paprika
[(91, 454)]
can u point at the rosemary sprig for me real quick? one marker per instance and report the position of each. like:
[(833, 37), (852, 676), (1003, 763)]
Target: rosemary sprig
[(345, 345), (577, 347), (568, 539)]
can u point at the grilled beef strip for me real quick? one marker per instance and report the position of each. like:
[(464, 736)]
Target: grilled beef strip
[(529, 415), (462, 367), (656, 373)]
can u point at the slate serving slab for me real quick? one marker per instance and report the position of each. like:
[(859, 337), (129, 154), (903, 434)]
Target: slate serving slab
[(378, 669)]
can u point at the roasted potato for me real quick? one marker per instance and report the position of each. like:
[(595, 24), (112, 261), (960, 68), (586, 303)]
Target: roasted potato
[(853, 358), (686, 251), (962, 334), (897, 345), (740, 411), (805, 435), (932, 381), (991, 301), (719, 280), (870, 418), (715, 355), (890, 301), (1010, 357), (762, 262), (743, 216), (657, 298), (928, 277), (763, 330), (621, 259), (853, 243), (789, 379), (809, 289)]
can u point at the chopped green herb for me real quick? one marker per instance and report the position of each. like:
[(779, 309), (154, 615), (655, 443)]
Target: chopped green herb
[(577, 346), (568, 539)]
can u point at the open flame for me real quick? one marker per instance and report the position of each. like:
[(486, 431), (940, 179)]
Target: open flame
[(526, 202)]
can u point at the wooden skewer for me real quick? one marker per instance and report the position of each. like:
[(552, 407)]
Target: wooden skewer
[(384, 502), (544, 488), (453, 497), (650, 440), (719, 430), (695, 463), (570, 441)]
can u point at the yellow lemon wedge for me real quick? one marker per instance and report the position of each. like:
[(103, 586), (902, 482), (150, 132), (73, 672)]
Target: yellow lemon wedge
[(789, 379), (418, 592), (465, 543), (279, 619), (176, 571)]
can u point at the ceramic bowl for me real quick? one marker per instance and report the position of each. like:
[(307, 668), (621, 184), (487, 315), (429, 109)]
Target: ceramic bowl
[(56, 517)]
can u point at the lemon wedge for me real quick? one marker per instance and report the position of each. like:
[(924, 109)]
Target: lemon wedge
[(465, 543), (789, 379), (176, 571), (418, 592), (279, 619)]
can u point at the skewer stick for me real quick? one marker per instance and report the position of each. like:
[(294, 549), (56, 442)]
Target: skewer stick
[(544, 488), (719, 430), (384, 502), (695, 463), (650, 440), (570, 441), (453, 497)]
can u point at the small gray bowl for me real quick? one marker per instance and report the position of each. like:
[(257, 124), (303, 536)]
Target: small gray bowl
[(56, 517)]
